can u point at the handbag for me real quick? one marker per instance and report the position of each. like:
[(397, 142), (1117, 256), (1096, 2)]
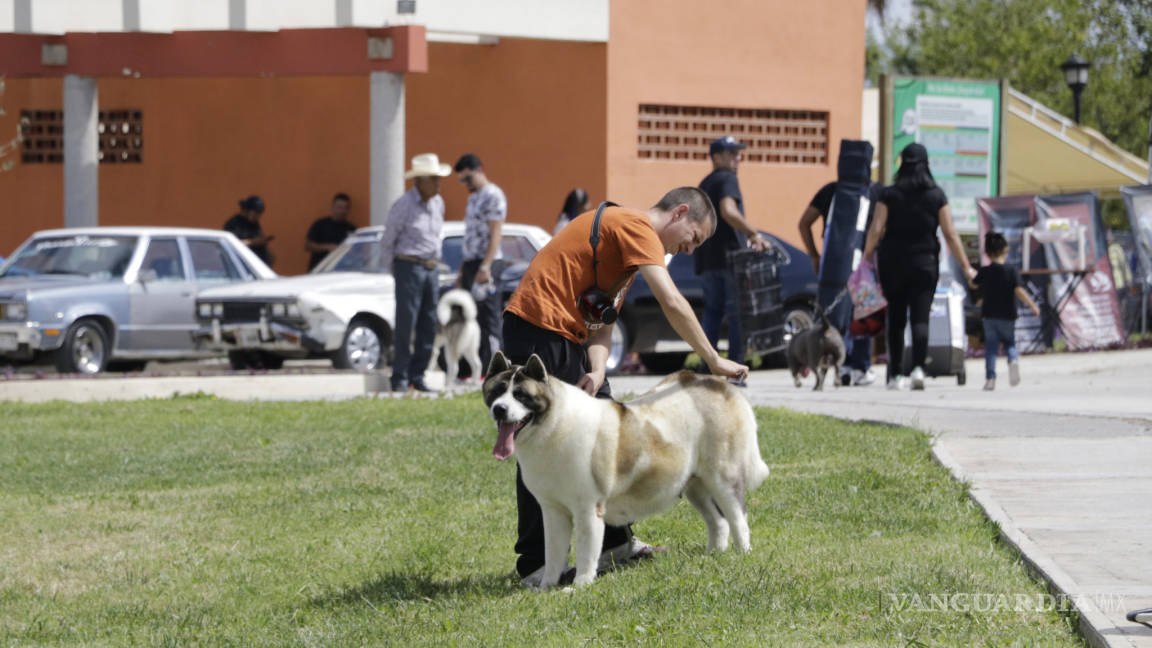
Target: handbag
[(864, 289)]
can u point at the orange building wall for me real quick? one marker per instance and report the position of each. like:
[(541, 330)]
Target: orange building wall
[(31, 196), (742, 54), (208, 142), (534, 111)]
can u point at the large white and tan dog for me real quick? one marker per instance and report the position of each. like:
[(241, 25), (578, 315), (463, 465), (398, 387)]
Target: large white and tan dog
[(591, 461)]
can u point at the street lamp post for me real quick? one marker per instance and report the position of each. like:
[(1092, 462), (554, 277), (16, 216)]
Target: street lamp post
[(1076, 76)]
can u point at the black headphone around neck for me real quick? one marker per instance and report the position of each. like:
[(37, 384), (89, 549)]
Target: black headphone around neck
[(594, 238), (595, 305)]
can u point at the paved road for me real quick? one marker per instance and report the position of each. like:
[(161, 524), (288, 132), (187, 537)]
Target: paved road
[(1063, 463)]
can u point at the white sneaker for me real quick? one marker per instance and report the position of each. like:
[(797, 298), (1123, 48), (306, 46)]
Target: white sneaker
[(861, 378), (899, 383), (990, 384), (1014, 373), (918, 379)]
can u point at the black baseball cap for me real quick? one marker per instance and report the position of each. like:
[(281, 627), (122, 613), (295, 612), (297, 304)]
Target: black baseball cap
[(726, 143), (253, 203), (914, 153)]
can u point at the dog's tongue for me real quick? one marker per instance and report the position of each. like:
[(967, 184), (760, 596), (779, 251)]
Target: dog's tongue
[(505, 441)]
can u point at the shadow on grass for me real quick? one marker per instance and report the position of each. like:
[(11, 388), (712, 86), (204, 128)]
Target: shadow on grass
[(396, 586)]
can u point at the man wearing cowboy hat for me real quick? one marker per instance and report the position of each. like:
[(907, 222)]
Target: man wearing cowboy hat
[(411, 247)]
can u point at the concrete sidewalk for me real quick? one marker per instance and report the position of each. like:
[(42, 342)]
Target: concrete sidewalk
[(1063, 463)]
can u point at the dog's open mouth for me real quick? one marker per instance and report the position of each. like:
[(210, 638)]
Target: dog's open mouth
[(506, 437)]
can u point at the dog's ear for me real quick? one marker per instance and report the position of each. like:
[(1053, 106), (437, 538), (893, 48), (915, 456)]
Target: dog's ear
[(498, 365), (535, 369)]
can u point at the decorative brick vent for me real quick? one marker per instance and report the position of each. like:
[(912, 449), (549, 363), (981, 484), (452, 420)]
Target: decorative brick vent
[(798, 137), (120, 133), (42, 132), (121, 136)]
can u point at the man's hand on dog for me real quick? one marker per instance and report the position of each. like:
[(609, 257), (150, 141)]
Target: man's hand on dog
[(591, 381), (729, 369)]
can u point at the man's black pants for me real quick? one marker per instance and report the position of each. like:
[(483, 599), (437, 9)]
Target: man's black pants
[(567, 361)]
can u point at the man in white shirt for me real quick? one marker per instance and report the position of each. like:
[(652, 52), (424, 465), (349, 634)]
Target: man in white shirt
[(483, 220)]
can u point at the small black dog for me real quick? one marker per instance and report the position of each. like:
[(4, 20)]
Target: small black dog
[(818, 349)]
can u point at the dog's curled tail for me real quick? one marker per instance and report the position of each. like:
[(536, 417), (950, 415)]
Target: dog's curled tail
[(455, 298), (755, 470)]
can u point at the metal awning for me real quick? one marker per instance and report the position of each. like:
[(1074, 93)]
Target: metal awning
[(1047, 153)]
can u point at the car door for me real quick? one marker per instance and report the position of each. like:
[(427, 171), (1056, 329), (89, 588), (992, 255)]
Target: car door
[(162, 300), (212, 263)]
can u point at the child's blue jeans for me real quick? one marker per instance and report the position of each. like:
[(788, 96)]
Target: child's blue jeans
[(997, 332)]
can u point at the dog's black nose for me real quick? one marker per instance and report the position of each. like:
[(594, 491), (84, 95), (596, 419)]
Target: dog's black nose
[(499, 412)]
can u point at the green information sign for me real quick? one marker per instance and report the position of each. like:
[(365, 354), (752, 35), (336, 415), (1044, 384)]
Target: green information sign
[(958, 122)]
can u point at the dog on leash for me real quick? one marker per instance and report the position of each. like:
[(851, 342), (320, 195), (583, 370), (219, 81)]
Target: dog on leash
[(816, 349), (591, 462), (458, 333)]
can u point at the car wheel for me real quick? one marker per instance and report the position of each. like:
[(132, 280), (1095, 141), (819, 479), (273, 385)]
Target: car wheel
[(619, 346), (361, 350), (85, 349), (663, 363)]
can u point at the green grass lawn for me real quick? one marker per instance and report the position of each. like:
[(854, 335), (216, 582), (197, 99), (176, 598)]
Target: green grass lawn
[(192, 521)]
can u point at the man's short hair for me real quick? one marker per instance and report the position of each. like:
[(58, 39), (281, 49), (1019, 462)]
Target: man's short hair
[(341, 196), (469, 162), (700, 207)]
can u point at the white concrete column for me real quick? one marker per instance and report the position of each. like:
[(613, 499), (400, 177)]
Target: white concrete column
[(238, 15), (81, 145), (387, 164), (22, 16), (343, 13), (131, 12)]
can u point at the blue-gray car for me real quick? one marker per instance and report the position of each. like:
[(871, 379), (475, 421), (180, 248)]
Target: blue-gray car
[(90, 299)]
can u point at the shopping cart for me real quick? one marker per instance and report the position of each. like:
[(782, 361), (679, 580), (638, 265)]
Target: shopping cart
[(759, 302)]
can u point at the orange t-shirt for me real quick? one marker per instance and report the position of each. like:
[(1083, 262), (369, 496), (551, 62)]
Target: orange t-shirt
[(562, 271)]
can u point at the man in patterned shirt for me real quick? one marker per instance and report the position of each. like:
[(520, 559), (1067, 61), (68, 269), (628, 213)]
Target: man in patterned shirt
[(411, 248), (487, 209)]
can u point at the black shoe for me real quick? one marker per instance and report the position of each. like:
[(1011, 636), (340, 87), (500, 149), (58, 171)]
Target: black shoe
[(399, 388), (419, 385)]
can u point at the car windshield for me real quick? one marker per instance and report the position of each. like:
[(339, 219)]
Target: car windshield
[(356, 255), (362, 254), (95, 257)]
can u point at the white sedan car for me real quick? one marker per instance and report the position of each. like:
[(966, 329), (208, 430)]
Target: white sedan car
[(342, 310)]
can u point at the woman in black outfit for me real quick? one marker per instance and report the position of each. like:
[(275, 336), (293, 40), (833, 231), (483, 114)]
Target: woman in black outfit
[(908, 261), (575, 203)]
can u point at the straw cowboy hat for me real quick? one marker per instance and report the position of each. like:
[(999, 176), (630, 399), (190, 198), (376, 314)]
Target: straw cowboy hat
[(427, 164)]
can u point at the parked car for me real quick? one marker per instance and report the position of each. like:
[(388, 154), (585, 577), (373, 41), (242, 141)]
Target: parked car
[(89, 299), (643, 328), (343, 310)]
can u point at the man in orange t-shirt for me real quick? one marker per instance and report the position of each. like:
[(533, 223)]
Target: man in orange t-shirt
[(544, 317)]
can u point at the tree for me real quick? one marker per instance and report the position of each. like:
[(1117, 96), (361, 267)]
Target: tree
[(1024, 42)]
